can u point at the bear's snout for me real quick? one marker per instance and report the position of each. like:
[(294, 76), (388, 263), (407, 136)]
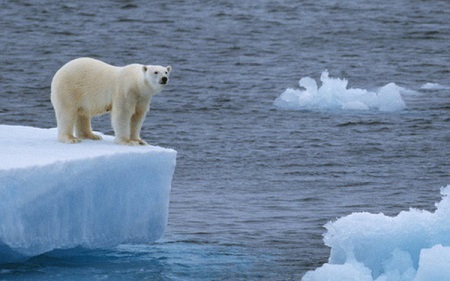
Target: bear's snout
[(163, 80)]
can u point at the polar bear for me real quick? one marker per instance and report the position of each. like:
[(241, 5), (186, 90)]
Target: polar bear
[(86, 87)]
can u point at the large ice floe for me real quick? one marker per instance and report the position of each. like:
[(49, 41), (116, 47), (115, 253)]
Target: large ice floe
[(333, 94), (94, 194), (412, 246)]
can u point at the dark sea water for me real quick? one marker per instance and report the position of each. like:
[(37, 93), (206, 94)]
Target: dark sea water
[(254, 184)]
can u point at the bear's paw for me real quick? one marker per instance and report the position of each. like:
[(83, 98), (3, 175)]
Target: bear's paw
[(68, 139), (91, 137), (127, 142)]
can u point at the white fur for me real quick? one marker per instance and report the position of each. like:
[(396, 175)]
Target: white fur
[(85, 87)]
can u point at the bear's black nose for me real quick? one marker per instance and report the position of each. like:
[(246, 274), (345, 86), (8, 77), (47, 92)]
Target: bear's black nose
[(164, 80)]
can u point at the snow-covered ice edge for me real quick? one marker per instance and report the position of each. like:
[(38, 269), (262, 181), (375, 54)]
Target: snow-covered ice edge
[(95, 194)]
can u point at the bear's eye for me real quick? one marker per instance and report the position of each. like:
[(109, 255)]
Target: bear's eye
[(156, 72)]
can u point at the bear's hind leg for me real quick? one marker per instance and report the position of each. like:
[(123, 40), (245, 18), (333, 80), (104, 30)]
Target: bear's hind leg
[(83, 128), (66, 123)]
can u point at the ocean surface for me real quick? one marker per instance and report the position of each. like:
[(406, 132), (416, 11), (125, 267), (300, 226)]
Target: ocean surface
[(254, 184)]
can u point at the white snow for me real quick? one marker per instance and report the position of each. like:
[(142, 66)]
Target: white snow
[(412, 246), (333, 94), (94, 194)]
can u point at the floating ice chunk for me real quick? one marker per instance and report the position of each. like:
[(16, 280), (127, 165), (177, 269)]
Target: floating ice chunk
[(434, 86), (434, 264), (309, 84), (94, 194), (398, 267), (390, 248), (355, 105), (351, 271), (290, 99), (333, 94), (389, 98)]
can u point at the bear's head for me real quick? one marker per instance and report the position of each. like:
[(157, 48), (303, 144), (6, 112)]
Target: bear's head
[(157, 76)]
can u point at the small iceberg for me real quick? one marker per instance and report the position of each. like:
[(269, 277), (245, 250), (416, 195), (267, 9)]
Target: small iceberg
[(412, 246), (334, 95)]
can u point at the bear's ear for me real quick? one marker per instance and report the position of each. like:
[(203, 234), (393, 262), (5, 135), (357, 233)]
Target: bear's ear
[(144, 68), (169, 68)]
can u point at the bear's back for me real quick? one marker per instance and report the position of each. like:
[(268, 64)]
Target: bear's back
[(84, 72), (86, 66)]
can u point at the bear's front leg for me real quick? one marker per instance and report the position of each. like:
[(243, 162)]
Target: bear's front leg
[(121, 120), (136, 124)]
